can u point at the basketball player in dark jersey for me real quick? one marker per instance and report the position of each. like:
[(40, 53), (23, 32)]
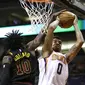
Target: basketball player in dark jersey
[(20, 66)]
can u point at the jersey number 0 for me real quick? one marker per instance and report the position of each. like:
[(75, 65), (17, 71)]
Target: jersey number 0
[(59, 69)]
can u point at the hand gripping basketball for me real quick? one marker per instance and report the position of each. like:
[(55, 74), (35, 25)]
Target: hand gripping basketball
[(66, 19)]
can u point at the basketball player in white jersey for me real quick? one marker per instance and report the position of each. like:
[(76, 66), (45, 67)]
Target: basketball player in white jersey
[(53, 65)]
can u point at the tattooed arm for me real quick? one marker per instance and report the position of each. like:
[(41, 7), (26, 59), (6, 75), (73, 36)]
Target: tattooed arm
[(79, 42), (32, 45), (47, 47)]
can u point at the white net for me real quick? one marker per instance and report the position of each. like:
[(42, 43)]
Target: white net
[(38, 13)]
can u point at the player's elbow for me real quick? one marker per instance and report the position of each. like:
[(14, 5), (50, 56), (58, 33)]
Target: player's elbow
[(80, 43)]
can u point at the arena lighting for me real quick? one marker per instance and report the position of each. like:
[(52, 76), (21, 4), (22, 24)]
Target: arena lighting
[(65, 45), (28, 30), (25, 29)]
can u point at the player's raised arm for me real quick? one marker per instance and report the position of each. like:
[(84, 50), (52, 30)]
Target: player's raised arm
[(78, 44), (47, 47), (40, 37)]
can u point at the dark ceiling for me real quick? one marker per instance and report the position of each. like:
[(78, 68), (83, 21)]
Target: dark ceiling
[(7, 7), (76, 6)]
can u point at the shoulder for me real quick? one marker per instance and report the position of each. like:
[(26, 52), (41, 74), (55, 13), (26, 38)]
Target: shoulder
[(40, 58)]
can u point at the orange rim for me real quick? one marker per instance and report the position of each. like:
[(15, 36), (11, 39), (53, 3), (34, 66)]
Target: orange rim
[(41, 1)]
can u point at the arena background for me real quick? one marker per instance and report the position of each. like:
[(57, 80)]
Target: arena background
[(13, 16)]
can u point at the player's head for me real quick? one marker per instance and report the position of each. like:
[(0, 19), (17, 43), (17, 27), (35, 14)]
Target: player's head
[(56, 44), (14, 40)]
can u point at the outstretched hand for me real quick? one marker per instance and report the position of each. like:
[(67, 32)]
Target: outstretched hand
[(57, 13)]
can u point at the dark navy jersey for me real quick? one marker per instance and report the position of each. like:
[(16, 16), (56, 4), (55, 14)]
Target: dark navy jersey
[(24, 67)]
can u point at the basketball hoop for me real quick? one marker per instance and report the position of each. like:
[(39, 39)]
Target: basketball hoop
[(38, 11)]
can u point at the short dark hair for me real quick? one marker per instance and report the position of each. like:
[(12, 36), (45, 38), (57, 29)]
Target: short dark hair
[(57, 37), (14, 40)]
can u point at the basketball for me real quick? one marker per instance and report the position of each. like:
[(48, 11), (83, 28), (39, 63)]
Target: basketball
[(66, 19)]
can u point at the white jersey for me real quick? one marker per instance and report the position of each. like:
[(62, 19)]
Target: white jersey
[(55, 72)]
